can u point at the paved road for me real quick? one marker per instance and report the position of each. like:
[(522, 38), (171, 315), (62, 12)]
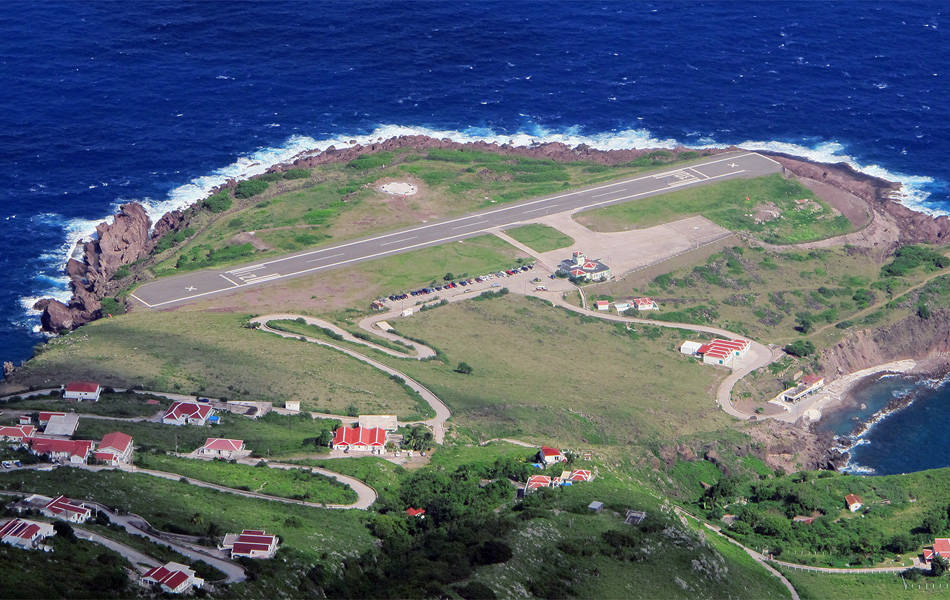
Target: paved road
[(180, 289), (141, 562)]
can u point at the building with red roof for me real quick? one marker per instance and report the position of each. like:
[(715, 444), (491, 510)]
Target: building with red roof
[(537, 481), (63, 508), (723, 352), (25, 534), (581, 475), (18, 433), (82, 390), (172, 577), (222, 448), (58, 450), (602, 304), (549, 455), (115, 448), (853, 502), (643, 304), (580, 266), (44, 416), (25, 420), (359, 438), (250, 543), (941, 547), (416, 512), (187, 413)]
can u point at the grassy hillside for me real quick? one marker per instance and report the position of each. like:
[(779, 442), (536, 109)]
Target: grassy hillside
[(775, 209)]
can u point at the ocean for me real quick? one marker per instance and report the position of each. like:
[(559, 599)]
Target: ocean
[(108, 102), (896, 441)]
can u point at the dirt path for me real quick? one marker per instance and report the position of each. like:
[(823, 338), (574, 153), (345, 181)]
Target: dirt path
[(442, 412)]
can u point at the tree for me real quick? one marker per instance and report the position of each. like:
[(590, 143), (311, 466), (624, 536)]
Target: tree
[(923, 311), (464, 368), (218, 202), (805, 322), (901, 543), (448, 276), (938, 566), (800, 348), (64, 530)]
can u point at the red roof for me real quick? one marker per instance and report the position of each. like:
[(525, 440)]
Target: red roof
[(82, 386), (601, 302), (117, 441), (942, 547), (223, 444), (852, 499), (536, 481), (548, 451), (46, 416), (105, 456), (578, 272), (703, 349), (20, 431), (62, 504), (580, 475), (253, 540), (359, 436), (177, 578), (19, 529), (187, 410), (811, 379), (253, 532), (644, 301), (78, 448), (590, 265), (415, 512), (172, 578)]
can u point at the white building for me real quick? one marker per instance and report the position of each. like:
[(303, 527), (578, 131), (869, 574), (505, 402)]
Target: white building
[(25, 534), (82, 390), (173, 578)]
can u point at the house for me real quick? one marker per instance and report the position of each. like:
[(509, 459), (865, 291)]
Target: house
[(595, 506), (690, 348), (602, 304), (25, 534), (853, 502), (44, 416), (387, 422), (549, 455), (25, 420), (634, 517), (808, 385), (723, 352), (250, 543), (62, 425), (359, 438), (115, 448), (580, 475), (643, 304), (537, 481), (416, 512), (803, 519), (10, 433), (57, 450), (292, 405), (621, 307), (174, 578), (583, 268), (222, 448), (187, 413), (82, 390), (63, 508), (941, 547)]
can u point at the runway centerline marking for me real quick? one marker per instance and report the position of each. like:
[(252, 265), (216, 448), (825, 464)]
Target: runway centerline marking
[(608, 193), (326, 257), (398, 241), (466, 225)]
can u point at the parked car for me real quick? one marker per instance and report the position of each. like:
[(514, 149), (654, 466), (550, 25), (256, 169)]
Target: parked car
[(7, 464)]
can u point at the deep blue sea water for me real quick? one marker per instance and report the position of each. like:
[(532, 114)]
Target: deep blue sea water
[(107, 102)]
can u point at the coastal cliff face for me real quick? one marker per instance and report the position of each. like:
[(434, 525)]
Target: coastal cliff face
[(122, 243), (926, 340)]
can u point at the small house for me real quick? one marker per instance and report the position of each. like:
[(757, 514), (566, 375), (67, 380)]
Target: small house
[(808, 385), (595, 506), (10, 433), (250, 543), (115, 448), (222, 448), (44, 416), (173, 578), (583, 268), (63, 508), (580, 475), (25, 534), (360, 439), (803, 519), (82, 390), (941, 547), (25, 420), (416, 512), (690, 348), (644, 304), (634, 517), (602, 305), (187, 413), (621, 307), (64, 451), (853, 502), (549, 455), (292, 405), (537, 481)]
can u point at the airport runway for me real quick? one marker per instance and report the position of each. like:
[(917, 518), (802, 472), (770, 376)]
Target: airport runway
[(180, 289)]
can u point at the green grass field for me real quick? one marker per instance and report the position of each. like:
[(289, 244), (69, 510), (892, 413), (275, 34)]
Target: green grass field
[(213, 354), (889, 586), (285, 483), (540, 238), (543, 374), (731, 204), (274, 435), (382, 475), (110, 404)]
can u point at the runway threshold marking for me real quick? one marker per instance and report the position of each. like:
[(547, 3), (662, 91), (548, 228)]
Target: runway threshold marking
[(228, 279), (703, 175)]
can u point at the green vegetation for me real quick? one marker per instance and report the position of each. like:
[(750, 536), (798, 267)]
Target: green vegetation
[(540, 238), (835, 586), (272, 435), (299, 326), (200, 257), (908, 258), (122, 272), (213, 354), (299, 484), (112, 306), (382, 475), (172, 239), (220, 201), (110, 404), (75, 569), (297, 174), (250, 187), (800, 348), (732, 204)]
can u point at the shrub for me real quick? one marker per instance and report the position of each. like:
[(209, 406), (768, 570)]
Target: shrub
[(250, 187), (297, 174), (122, 272), (218, 202), (800, 348), (464, 368), (111, 306)]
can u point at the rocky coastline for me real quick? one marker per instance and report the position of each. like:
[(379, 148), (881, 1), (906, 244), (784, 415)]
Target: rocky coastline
[(130, 238)]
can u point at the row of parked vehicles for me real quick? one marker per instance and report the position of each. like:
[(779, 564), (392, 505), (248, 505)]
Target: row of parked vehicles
[(459, 283)]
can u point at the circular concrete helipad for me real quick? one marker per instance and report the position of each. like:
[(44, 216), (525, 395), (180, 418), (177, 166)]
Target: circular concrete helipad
[(398, 188)]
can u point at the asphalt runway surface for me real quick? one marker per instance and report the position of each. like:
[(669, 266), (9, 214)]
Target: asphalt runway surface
[(175, 290)]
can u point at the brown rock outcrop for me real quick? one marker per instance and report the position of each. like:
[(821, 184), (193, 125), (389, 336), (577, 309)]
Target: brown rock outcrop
[(170, 221)]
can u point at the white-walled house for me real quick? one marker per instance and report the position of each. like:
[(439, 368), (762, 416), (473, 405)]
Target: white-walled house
[(82, 390), (25, 534), (222, 448)]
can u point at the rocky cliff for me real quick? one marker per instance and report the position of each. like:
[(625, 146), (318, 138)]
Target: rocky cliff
[(122, 243)]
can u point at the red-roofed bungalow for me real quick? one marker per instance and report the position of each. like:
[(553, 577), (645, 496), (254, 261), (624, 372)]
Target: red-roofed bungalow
[(82, 390), (416, 512), (63, 508), (550, 455), (222, 448), (250, 543), (10, 433), (187, 413), (359, 438)]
